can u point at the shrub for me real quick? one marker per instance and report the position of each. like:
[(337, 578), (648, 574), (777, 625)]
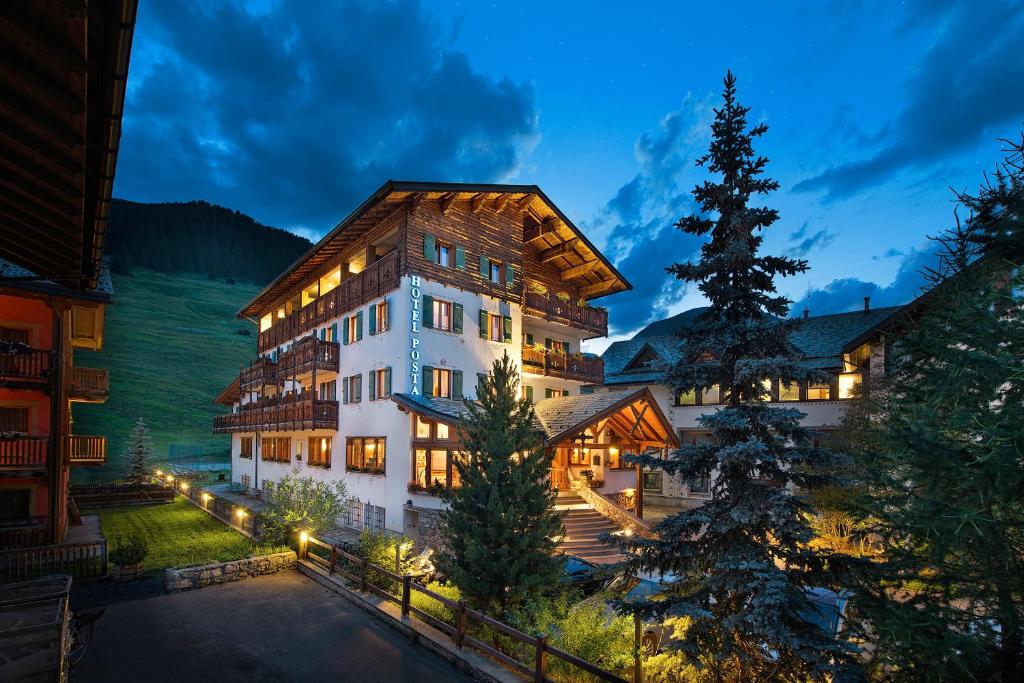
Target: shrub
[(302, 503), (130, 550), (382, 549), (432, 606)]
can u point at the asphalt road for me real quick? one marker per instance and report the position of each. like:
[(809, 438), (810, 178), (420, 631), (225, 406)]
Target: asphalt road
[(281, 627)]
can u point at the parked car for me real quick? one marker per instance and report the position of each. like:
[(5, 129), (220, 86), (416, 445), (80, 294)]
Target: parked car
[(582, 574)]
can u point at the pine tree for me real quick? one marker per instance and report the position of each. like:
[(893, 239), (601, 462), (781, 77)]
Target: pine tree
[(739, 566), (139, 451), (500, 523), (939, 452)]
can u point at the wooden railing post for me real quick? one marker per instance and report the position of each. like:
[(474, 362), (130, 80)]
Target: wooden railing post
[(334, 559), (362, 575), (460, 623), (638, 665), (541, 659), (406, 595)]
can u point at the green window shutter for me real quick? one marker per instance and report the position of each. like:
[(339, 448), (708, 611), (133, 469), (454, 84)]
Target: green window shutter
[(457, 385), (508, 329), (547, 342), (359, 325), (428, 380), (457, 318), (483, 324), (371, 388), (529, 338), (344, 390), (323, 334), (480, 377), (387, 381), (387, 313), (548, 393), (565, 348), (483, 266), (373, 319), (460, 258), (359, 388), (529, 394), (344, 330), (428, 311), (509, 275), (333, 390), (334, 332), (428, 247)]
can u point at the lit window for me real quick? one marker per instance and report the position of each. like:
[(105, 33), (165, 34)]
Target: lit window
[(381, 383), (443, 315), (245, 450), (442, 382), (789, 392), (652, 481), (688, 398), (710, 395), (766, 387), (320, 451), (331, 280), (265, 322), (380, 314), (442, 431), (280, 313), (817, 392), (849, 385), (365, 454), (443, 255), (422, 428), (353, 328), (495, 329)]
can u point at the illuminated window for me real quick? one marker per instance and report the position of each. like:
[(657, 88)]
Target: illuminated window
[(379, 313), (320, 451), (245, 449), (276, 449), (309, 294), (849, 385), (817, 392), (422, 428), (265, 322), (431, 468), (442, 431), (331, 280), (687, 398), (789, 392), (710, 396), (380, 382), (442, 383), (766, 387), (443, 315), (365, 454), (495, 331)]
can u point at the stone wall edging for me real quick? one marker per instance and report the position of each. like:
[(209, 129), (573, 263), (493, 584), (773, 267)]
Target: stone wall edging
[(623, 518), (189, 578)]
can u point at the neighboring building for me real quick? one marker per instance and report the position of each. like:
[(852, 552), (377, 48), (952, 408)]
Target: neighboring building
[(368, 343), (851, 347), (63, 94)]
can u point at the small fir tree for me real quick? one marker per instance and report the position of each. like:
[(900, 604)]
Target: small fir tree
[(139, 452), (739, 567), (500, 523), (939, 451)]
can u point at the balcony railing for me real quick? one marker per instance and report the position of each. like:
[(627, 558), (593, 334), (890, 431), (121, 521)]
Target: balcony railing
[(307, 353), (378, 279), (24, 364), (21, 451), (550, 307), (87, 450), (23, 533), (90, 384), (553, 364), (261, 372), (294, 412)]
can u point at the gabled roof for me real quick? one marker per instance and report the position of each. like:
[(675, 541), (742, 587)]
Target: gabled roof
[(13, 276), (231, 394), (555, 231)]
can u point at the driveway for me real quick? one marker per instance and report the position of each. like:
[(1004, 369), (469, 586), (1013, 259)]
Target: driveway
[(281, 627)]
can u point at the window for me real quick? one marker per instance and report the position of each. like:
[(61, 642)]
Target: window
[(14, 419), (443, 315), (352, 328), (494, 272), (329, 334), (14, 504), (443, 254), (442, 382), (495, 327), (277, 449), (700, 486), (555, 393), (435, 468), (329, 390), (689, 437), (354, 513), (817, 392), (245, 449), (422, 428), (14, 336), (652, 481), (380, 384), (352, 389), (246, 481), (442, 431), (265, 322), (710, 396), (615, 461), (528, 394), (365, 454), (687, 398), (850, 385), (789, 392), (379, 320), (320, 451), (557, 345)]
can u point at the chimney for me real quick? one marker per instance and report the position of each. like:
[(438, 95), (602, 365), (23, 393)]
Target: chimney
[(867, 304)]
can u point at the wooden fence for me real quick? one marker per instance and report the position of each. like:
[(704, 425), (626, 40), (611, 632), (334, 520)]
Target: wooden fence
[(108, 495), (361, 572), (81, 560)]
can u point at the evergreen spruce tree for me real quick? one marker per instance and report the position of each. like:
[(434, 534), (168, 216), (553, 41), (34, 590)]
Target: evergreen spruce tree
[(939, 453), (138, 452), (739, 566), (500, 523)]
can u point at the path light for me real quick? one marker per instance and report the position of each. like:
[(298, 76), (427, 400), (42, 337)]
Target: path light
[(241, 513), (303, 537), (170, 477), (159, 473), (205, 496), (184, 486)]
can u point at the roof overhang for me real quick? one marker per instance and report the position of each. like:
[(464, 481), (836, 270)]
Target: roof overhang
[(556, 238), (634, 416), (231, 394), (63, 72)]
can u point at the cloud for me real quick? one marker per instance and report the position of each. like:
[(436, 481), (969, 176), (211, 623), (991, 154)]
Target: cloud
[(891, 252), (966, 87), (638, 222), (806, 242), (298, 112)]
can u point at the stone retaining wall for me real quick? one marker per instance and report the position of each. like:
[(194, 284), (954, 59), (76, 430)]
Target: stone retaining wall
[(187, 578), (623, 518)]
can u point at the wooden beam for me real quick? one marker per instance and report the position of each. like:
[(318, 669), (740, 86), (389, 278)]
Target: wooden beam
[(540, 230), (501, 201), (446, 201), (576, 271), (559, 250), (524, 202), (414, 200), (477, 202), (597, 288)]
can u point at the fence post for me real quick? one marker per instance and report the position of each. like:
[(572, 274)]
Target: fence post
[(541, 659), (406, 595), (362, 575), (460, 623), (638, 665), (334, 560)]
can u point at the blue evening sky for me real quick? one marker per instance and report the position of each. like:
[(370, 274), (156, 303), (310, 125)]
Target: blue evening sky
[(293, 112)]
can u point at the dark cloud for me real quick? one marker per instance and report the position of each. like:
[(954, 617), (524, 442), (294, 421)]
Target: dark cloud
[(638, 222), (847, 294), (806, 241), (966, 87), (297, 113), (891, 252)]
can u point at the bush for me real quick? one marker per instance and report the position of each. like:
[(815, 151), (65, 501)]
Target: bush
[(381, 549), (129, 551), (432, 606), (301, 503)]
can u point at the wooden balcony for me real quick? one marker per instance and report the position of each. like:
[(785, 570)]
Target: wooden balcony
[(375, 281), (24, 533), (87, 450), (553, 364), (260, 373), (89, 385), (548, 307), (25, 367), (294, 412), (23, 452), (307, 354)]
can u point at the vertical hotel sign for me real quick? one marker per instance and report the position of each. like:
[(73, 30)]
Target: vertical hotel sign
[(414, 335)]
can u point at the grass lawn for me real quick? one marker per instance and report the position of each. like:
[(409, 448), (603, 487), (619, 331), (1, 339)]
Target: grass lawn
[(179, 534)]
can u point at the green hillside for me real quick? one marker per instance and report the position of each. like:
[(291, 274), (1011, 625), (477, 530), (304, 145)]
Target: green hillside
[(171, 344)]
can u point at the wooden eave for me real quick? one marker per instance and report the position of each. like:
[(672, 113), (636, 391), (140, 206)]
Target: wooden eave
[(63, 71), (635, 418), (600, 279), (231, 394)]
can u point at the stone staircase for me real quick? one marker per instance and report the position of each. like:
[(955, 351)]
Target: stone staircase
[(583, 527)]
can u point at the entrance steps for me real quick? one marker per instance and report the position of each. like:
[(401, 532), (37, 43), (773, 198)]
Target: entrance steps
[(583, 527)]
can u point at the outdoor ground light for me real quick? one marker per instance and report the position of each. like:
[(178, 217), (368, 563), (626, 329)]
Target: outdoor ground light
[(159, 473), (303, 537)]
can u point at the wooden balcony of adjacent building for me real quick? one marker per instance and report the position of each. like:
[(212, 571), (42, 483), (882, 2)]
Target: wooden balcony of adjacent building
[(357, 289), (589, 369), (294, 364), (87, 450), (89, 385), (546, 306), (24, 533), (291, 412), (23, 452), (24, 367)]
